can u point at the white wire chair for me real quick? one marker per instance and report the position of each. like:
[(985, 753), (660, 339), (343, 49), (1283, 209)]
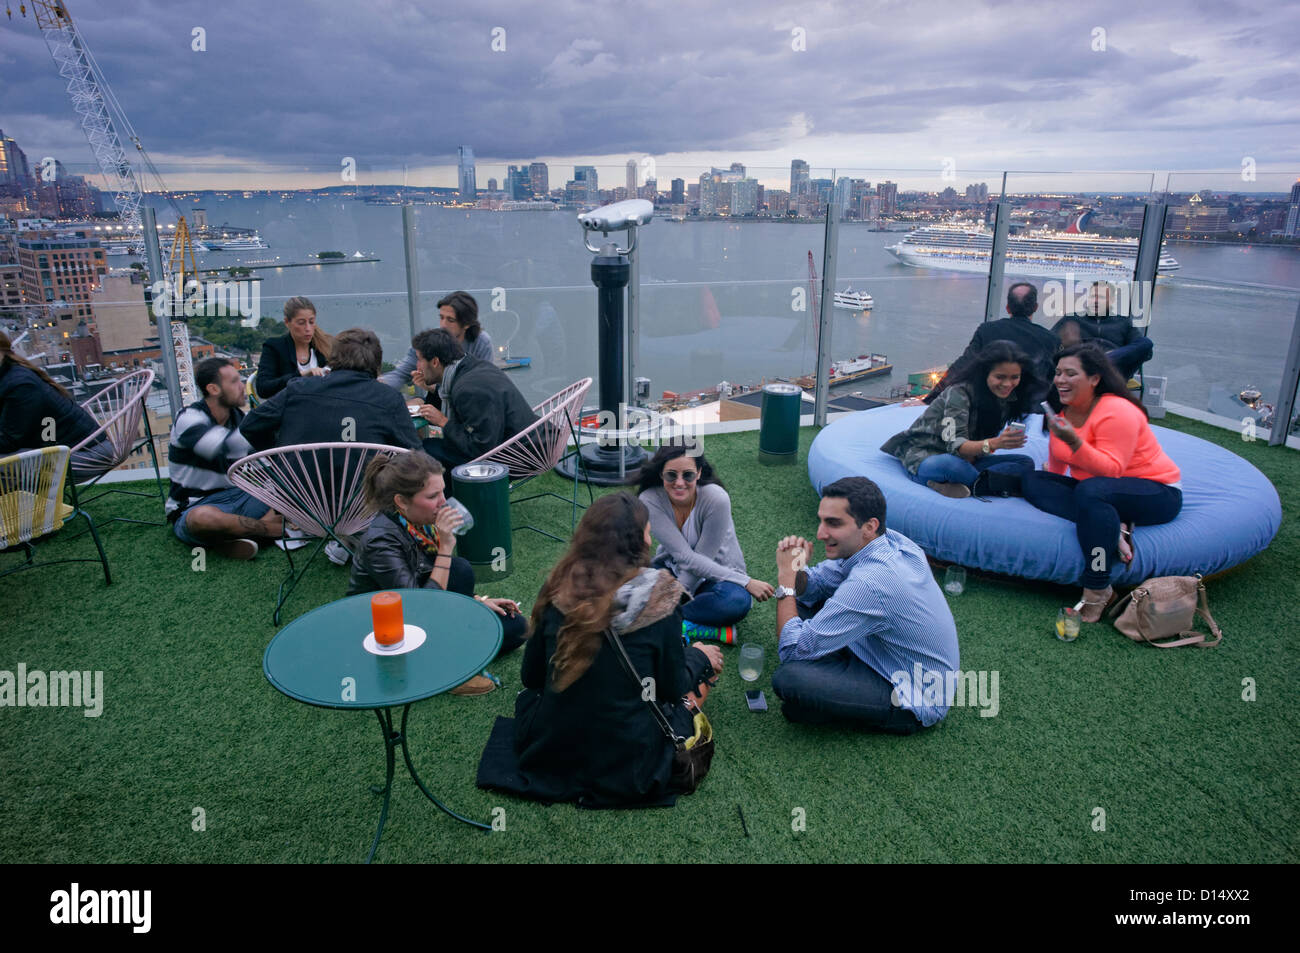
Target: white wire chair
[(317, 487), (119, 410), (539, 447)]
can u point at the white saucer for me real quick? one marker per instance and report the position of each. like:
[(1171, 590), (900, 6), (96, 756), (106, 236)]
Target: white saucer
[(413, 638)]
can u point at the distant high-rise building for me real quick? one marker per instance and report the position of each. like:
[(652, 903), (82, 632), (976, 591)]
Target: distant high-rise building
[(519, 185), (631, 177), (843, 192), (744, 197), (1292, 227), (539, 179), (777, 201), (587, 174), (977, 192), (887, 192), (492, 185), (468, 183), (798, 178), (678, 196), (738, 168)]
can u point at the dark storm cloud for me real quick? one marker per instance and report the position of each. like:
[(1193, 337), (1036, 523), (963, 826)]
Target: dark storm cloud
[(299, 85)]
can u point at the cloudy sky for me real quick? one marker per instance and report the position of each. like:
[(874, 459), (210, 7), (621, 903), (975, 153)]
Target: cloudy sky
[(284, 91)]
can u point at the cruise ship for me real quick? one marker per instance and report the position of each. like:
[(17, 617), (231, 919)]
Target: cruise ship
[(1047, 254)]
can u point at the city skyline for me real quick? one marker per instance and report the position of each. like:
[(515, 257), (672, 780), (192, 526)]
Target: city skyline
[(954, 93)]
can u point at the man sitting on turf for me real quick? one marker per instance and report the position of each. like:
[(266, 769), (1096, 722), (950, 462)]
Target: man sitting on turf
[(206, 509), (847, 626)]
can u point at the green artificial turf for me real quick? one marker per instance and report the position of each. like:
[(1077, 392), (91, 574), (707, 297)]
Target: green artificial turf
[(1161, 741)]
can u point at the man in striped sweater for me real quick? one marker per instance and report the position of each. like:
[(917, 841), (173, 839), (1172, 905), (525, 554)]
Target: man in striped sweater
[(205, 440)]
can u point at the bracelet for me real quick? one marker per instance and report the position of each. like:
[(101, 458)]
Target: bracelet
[(438, 556)]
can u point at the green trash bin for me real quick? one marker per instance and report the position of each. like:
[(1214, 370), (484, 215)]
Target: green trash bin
[(778, 429), (484, 488)]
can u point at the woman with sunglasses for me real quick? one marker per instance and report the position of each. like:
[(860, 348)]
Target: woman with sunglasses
[(690, 515)]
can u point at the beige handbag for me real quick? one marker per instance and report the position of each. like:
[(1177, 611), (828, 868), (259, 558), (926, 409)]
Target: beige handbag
[(1166, 608)]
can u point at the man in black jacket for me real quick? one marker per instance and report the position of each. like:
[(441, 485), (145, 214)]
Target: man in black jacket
[(481, 408), (1126, 346), (1036, 341), (348, 404)]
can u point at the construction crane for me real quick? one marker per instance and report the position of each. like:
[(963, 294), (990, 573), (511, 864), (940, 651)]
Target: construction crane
[(102, 117)]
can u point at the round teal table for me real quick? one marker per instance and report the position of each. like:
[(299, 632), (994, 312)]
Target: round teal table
[(318, 658)]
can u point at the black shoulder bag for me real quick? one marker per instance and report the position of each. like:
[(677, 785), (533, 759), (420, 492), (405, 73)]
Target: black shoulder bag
[(691, 756)]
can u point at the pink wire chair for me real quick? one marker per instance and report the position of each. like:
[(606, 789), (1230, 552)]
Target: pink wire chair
[(118, 409), (539, 447), (317, 486)]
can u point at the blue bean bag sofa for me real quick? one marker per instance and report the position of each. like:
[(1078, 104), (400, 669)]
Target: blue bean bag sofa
[(1230, 510)]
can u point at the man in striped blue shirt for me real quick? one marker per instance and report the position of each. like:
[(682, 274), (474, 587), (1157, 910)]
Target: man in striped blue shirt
[(205, 508), (866, 636)]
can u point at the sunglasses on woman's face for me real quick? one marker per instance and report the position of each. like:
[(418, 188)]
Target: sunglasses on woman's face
[(688, 476)]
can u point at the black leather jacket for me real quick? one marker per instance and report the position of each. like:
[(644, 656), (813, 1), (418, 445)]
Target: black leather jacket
[(388, 557)]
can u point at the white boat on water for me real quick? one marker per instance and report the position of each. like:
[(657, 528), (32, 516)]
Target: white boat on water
[(1039, 253), (243, 243), (854, 300)]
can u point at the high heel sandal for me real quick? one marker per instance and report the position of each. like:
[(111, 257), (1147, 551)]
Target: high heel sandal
[(1104, 603)]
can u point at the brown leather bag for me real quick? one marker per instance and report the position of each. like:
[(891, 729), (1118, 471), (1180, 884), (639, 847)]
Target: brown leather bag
[(1166, 608)]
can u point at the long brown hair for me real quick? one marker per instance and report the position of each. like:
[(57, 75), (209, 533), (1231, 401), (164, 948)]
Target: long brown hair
[(321, 341), (1094, 360), (608, 549), (9, 356)]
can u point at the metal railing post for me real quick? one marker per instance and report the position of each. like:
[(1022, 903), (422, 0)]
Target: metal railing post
[(633, 318), (1285, 405), (1148, 259), (821, 389), (997, 260), (412, 268), (149, 222)]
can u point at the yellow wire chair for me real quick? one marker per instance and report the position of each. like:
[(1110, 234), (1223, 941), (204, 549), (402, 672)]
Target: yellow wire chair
[(32, 507)]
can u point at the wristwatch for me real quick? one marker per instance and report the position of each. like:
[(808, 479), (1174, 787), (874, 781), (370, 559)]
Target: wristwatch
[(784, 591), (987, 448)]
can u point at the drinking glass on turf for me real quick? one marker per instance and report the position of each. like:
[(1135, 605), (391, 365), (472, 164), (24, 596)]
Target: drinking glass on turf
[(466, 516), (1067, 624), (751, 661), (954, 580)]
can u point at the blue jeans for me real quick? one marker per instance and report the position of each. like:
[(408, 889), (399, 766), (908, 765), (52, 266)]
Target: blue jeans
[(1097, 506), (718, 603), (230, 500), (950, 468), (1129, 357), (840, 687)]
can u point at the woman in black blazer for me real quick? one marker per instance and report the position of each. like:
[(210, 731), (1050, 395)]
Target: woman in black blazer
[(304, 351)]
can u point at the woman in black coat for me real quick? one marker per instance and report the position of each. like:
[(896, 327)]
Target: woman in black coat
[(582, 729), (409, 544), (35, 411), (303, 352)]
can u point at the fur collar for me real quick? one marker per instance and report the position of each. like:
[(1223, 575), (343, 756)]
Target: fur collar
[(650, 595)]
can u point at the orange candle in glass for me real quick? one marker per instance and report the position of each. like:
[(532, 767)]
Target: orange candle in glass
[(386, 611)]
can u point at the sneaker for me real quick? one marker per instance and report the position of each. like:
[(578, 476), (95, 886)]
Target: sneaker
[(294, 538), (955, 491), (691, 632), (478, 685), (336, 553), (237, 548)]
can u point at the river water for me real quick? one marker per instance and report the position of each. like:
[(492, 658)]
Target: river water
[(722, 301)]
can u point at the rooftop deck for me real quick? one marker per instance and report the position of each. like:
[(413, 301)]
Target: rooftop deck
[(1184, 768)]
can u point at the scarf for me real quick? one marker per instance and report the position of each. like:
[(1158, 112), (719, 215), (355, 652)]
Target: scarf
[(426, 537)]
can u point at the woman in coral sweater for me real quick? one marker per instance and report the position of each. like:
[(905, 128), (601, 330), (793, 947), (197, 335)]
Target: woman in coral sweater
[(1117, 474)]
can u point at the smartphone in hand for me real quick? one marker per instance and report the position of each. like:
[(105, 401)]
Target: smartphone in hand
[(1047, 408)]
